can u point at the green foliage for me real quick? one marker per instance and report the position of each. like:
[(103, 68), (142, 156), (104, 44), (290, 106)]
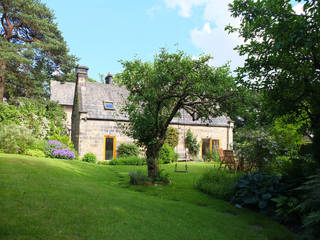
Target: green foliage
[(56, 149), (35, 153), (128, 161), (282, 58), (218, 184), (256, 191), (192, 144), (172, 82), (15, 138), (103, 163), (310, 207), (172, 137), (90, 158), (32, 48), (162, 177), (167, 154), (128, 150), (286, 208), (63, 139), (139, 178), (257, 147), (42, 117), (211, 156)]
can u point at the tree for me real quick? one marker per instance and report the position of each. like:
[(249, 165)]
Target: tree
[(174, 82), (32, 48), (192, 144), (283, 57)]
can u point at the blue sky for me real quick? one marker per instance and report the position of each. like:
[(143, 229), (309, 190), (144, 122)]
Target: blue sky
[(101, 32)]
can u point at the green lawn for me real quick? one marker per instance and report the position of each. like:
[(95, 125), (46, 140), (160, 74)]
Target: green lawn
[(60, 199)]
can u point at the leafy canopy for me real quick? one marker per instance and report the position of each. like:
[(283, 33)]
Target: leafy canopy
[(283, 56), (32, 47), (173, 84)]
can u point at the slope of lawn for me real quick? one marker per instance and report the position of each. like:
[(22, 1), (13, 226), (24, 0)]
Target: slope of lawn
[(59, 199)]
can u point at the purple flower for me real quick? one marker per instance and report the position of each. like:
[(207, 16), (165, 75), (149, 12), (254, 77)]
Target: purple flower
[(56, 149)]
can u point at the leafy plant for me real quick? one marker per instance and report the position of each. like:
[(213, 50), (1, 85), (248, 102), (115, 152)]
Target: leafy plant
[(35, 153), (211, 156), (192, 144), (128, 161), (310, 207), (90, 158), (128, 150), (258, 147), (172, 137), (286, 208), (256, 191), (15, 138), (167, 154), (139, 178), (56, 149), (162, 177)]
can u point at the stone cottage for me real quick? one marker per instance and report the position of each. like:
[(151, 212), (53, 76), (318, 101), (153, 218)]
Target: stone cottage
[(92, 111)]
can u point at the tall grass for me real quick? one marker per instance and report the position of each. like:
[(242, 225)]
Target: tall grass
[(218, 183)]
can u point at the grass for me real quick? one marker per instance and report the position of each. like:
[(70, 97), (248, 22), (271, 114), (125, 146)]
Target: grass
[(62, 199)]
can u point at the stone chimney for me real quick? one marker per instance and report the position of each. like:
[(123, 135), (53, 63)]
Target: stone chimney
[(77, 108), (82, 75), (108, 78)]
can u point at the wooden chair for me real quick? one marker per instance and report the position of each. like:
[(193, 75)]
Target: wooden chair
[(221, 155), (229, 159)]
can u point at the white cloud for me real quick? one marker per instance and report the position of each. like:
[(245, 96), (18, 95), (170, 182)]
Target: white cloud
[(215, 41), (185, 5), (298, 8)]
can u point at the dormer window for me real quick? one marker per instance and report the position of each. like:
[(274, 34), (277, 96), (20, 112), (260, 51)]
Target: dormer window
[(108, 105)]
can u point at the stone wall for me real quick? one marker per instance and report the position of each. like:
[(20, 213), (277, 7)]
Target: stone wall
[(92, 133), (68, 111)]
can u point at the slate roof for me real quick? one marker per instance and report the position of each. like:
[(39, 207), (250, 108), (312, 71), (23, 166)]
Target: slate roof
[(94, 94)]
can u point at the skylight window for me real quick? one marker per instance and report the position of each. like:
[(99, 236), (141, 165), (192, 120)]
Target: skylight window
[(108, 105)]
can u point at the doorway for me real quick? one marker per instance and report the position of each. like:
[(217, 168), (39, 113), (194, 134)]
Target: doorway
[(109, 147)]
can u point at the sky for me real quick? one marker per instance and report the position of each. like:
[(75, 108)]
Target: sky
[(102, 32)]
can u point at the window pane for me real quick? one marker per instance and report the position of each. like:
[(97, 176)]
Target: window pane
[(108, 105)]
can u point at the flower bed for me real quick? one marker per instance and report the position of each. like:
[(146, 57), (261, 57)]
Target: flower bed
[(56, 149)]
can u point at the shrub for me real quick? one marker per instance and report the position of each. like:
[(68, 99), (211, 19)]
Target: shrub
[(256, 191), (162, 177), (128, 150), (56, 149), (211, 156), (128, 161), (218, 184), (172, 137), (167, 154), (39, 144), (66, 141), (90, 158), (310, 207), (103, 162), (35, 153), (191, 144), (15, 138), (42, 117), (139, 178)]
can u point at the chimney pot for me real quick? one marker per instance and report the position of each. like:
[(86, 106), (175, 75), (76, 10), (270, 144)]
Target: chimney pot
[(108, 78)]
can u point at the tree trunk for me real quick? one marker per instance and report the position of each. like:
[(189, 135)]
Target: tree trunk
[(2, 80), (152, 154)]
